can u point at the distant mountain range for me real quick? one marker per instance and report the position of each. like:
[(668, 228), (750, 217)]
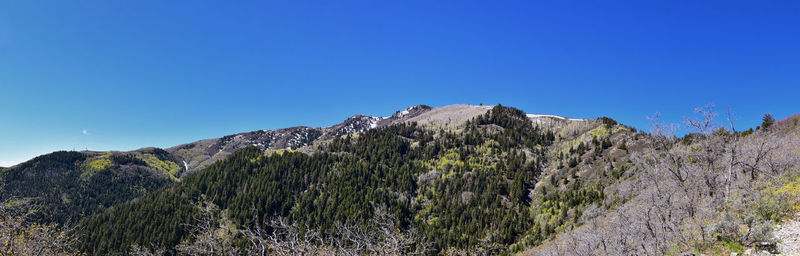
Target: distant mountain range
[(72, 190), (469, 179)]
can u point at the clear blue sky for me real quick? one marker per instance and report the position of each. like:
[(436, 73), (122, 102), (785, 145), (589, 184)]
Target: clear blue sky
[(121, 75)]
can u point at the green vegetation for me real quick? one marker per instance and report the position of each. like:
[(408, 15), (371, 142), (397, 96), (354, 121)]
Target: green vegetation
[(780, 198), (170, 168), (461, 189), (768, 121), (92, 165), (497, 183), (66, 186)]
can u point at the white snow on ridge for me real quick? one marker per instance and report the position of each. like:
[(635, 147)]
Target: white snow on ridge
[(360, 123), (403, 113), (537, 116), (374, 122)]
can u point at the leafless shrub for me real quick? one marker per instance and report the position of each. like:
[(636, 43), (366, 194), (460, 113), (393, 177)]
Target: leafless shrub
[(20, 237), (137, 250), (285, 239), (679, 189), (212, 235), (378, 236), (428, 176)]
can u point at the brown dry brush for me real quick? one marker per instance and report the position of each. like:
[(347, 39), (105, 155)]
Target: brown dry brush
[(678, 190), (18, 236), (214, 234), (378, 236)]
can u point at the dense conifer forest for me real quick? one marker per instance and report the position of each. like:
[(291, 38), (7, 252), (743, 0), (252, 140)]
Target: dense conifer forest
[(499, 183), (66, 186), (461, 189)]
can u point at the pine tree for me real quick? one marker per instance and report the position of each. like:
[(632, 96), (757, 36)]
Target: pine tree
[(768, 121)]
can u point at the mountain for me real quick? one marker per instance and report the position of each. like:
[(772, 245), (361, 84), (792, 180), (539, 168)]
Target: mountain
[(200, 154), (452, 180), (713, 192), (434, 147), (66, 186), (460, 175), (70, 185)]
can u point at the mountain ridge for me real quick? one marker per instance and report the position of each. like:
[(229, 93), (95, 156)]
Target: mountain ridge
[(498, 178), (353, 124), (202, 153), (160, 167)]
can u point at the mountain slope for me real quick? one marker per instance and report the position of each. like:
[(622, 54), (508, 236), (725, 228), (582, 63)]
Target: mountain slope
[(712, 192), (496, 182), (66, 186), (200, 154), (465, 189), (71, 185), (470, 179)]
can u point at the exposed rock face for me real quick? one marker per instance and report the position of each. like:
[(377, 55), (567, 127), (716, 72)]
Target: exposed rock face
[(788, 235), (357, 123), (450, 116), (199, 154)]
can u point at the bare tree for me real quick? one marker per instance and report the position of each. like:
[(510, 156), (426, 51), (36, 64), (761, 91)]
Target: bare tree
[(733, 152), (212, 233), (679, 189), (137, 250), (285, 239), (20, 237), (380, 235)]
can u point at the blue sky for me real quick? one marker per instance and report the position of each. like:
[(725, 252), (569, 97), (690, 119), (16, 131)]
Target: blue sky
[(121, 75)]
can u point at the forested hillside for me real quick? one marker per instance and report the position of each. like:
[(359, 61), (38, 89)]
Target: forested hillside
[(463, 180), (715, 191), (461, 189), (66, 186), (200, 154)]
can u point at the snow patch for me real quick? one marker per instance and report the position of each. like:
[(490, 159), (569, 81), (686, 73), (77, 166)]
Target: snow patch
[(374, 122), (403, 113), (537, 116), (359, 123)]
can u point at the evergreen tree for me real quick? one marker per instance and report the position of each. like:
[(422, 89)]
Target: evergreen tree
[(768, 121)]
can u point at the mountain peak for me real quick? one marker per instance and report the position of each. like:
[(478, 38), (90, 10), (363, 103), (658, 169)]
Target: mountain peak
[(411, 111), (200, 154), (354, 124)]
